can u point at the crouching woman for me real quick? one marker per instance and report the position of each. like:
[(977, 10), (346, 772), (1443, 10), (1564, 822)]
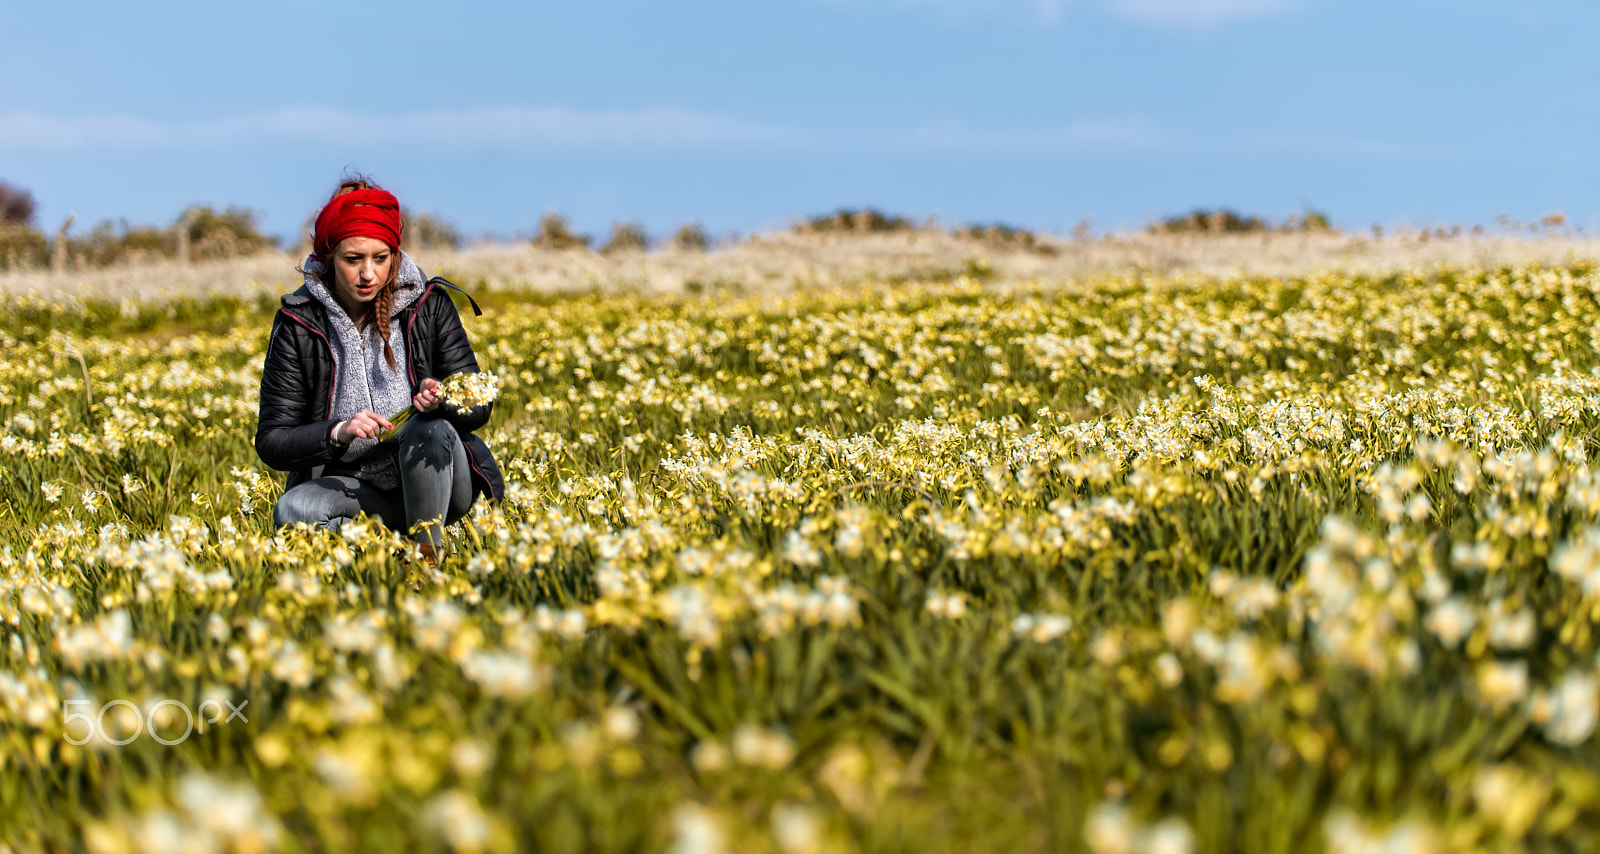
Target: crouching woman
[(363, 338)]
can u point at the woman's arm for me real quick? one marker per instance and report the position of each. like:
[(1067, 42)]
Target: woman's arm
[(289, 436)]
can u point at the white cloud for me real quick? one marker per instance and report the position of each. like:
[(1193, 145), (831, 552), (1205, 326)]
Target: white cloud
[(1196, 13), (516, 125), (546, 126), (1181, 14), (1077, 136), (653, 129), (1049, 11)]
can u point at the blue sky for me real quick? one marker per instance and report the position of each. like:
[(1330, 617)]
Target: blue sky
[(747, 115)]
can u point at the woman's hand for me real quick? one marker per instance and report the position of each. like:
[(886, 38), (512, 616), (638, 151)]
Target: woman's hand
[(428, 398), (365, 424)]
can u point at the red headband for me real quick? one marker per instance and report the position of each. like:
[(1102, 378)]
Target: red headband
[(359, 213)]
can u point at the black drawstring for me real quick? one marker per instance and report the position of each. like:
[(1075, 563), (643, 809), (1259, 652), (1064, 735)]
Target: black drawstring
[(440, 280)]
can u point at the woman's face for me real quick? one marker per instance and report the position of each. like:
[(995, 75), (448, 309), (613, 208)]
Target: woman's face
[(360, 267)]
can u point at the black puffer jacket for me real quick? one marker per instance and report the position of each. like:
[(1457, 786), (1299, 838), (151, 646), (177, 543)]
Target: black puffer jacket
[(295, 430)]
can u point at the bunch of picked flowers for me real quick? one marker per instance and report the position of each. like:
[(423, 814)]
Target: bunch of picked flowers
[(458, 391)]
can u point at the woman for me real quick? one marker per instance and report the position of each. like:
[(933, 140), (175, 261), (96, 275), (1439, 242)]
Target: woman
[(364, 337)]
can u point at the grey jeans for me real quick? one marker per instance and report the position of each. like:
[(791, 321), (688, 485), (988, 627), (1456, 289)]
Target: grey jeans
[(435, 485)]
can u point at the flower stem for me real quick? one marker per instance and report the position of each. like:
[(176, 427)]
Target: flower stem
[(396, 423)]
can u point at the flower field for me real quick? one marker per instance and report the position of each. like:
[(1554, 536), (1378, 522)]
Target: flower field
[(1167, 565)]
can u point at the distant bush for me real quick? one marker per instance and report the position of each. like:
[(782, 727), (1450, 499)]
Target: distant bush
[(16, 205), (690, 237), (866, 220), (22, 247), (1221, 221), (227, 234), (427, 231), (554, 233), (1225, 221), (872, 221), (997, 233), (1311, 221), (626, 237), (1002, 236), (116, 242), (201, 233)]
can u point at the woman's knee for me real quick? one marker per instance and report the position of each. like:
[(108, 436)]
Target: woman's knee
[(459, 507), (431, 432), (298, 505), (326, 501)]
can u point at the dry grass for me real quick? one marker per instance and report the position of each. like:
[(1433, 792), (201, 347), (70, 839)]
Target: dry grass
[(781, 261)]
